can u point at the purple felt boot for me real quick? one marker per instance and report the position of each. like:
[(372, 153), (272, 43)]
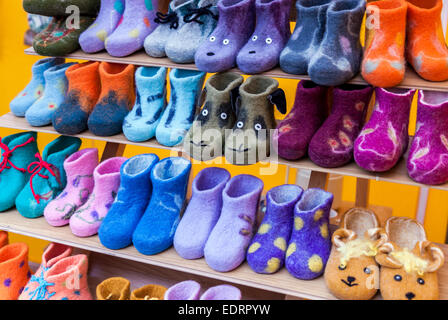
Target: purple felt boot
[(295, 132), (185, 290), (222, 292), (261, 53), (235, 25), (332, 145), (384, 139), (226, 247), (428, 157)]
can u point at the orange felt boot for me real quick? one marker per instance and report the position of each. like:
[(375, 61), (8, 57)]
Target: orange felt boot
[(383, 64), (14, 270), (426, 49), (3, 238)]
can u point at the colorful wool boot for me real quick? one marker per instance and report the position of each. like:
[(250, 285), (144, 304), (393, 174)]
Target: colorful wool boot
[(149, 292), (310, 243), (185, 290), (115, 101), (18, 152), (426, 49), (266, 253), (384, 139), (115, 288), (332, 145), (111, 13), (295, 131), (84, 88), (59, 7), (41, 112), (235, 25), (383, 64), (261, 53), (3, 238), (35, 89), (118, 226), (202, 213), (222, 292), (141, 123), (86, 221), (226, 247), (156, 229), (207, 135), (79, 169), (338, 58), (186, 86), (14, 270), (48, 177)]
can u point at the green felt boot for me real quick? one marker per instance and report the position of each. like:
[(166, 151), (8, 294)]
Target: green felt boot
[(58, 8)]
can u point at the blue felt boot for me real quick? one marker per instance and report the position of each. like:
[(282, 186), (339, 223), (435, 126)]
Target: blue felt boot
[(18, 152), (47, 178), (141, 123), (35, 89), (135, 174), (156, 229)]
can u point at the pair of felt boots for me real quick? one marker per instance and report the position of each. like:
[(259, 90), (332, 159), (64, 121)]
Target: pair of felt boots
[(118, 288), (191, 290), (398, 259)]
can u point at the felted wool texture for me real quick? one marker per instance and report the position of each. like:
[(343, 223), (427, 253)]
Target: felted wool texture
[(13, 180), (426, 49), (35, 88), (135, 174), (295, 131), (3, 238), (310, 244), (84, 87), (206, 138), (116, 288), (186, 86), (226, 246), (14, 270), (384, 138), (222, 292), (141, 123), (332, 145), (115, 101), (41, 112), (202, 213), (338, 58), (79, 169), (266, 253), (111, 12), (262, 51), (149, 292), (185, 290), (156, 229), (86, 221), (235, 26), (46, 184), (383, 64), (307, 36), (58, 7)]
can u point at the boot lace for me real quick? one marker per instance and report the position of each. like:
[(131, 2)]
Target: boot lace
[(41, 292), (195, 14), (171, 18), (34, 168), (6, 162)]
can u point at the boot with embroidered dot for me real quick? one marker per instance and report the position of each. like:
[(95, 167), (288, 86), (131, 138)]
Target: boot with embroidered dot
[(14, 270)]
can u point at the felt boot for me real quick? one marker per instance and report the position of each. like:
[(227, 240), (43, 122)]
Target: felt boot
[(295, 131), (54, 8), (310, 243), (186, 86), (332, 145), (135, 174), (35, 89), (409, 262), (207, 135), (41, 112), (14, 270), (156, 229), (266, 253), (426, 49), (149, 292), (428, 156), (116, 288), (235, 25), (338, 58), (84, 88), (115, 101), (202, 213), (47, 178), (141, 123), (18, 152), (261, 53), (222, 292), (383, 63), (79, 169), (3, 238), (226, 247), (86, 221), (384, 139), (250, 140), (351, 272), (185, 290)]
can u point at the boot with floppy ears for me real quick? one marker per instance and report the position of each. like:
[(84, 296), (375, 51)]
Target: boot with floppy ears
[(116, 288)]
